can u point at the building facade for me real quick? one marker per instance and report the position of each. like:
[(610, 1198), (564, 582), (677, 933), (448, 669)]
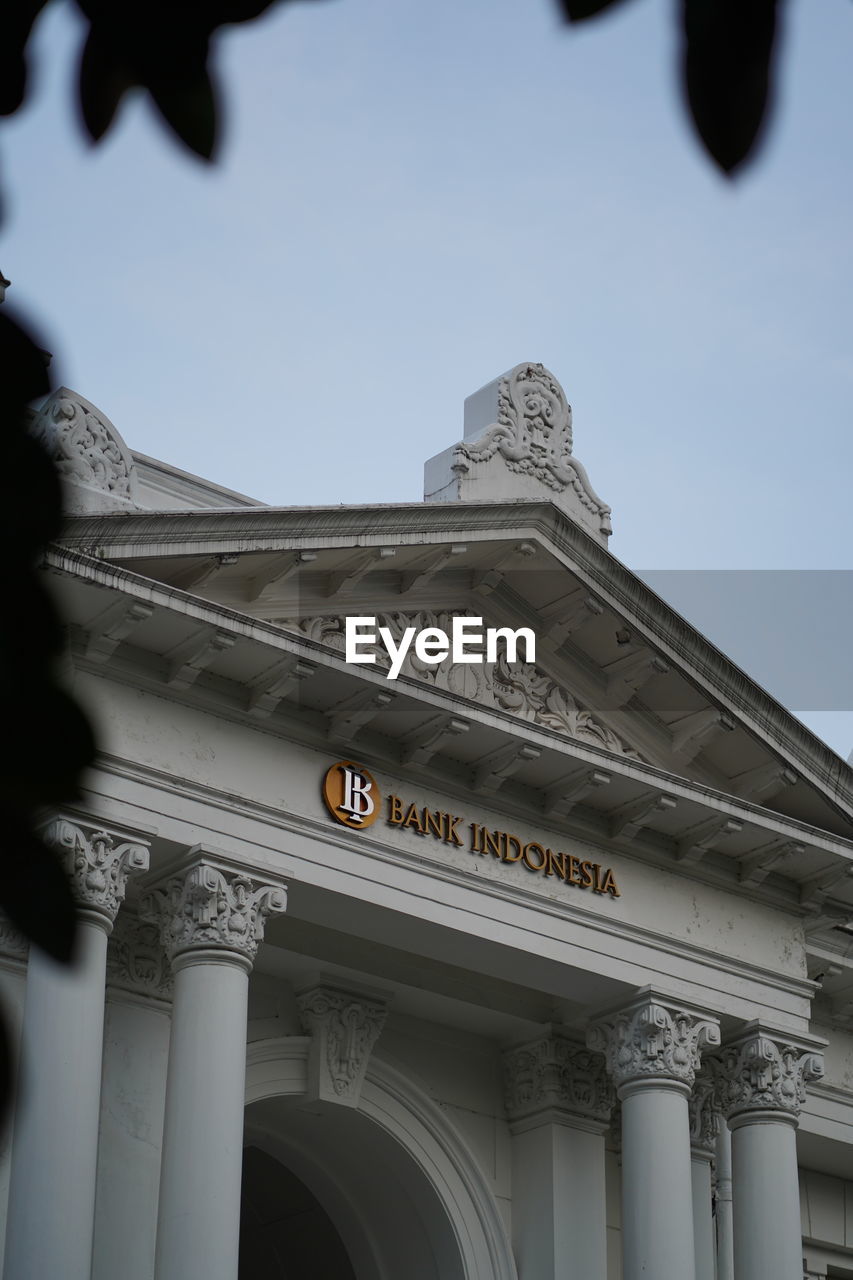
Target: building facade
[(530, 968)]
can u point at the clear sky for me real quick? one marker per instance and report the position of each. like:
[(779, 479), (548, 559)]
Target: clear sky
[(414, 196)]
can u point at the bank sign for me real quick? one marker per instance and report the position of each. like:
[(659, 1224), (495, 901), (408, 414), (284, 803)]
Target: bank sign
[(353, 799)]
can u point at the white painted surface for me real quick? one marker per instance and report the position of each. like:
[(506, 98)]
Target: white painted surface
[(767, 1241), (199, 1217), (657, 1197), (55, 1147)]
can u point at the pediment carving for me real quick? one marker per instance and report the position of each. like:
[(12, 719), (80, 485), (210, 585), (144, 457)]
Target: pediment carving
[(88, 452), (520, 688)]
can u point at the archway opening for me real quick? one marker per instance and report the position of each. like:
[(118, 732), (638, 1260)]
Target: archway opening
[(285, 1233)]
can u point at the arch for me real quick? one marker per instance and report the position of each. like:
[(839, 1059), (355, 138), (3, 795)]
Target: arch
[(429, 1185)]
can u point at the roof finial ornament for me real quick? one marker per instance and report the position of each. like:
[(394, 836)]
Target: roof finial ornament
[(520, 424)]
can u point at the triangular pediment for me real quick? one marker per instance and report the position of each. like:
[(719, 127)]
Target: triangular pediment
[(615, 666)]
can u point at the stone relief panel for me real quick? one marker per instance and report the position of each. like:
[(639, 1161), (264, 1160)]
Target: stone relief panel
[(136, 960), (519, 688), (88, 451)]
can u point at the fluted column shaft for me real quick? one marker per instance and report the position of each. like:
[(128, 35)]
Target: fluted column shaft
[(212, 919), (558, 1100), (50, 1223), (652, 1048), (763, 1078)]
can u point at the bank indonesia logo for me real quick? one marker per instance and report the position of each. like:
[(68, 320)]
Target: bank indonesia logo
[(351, 795)]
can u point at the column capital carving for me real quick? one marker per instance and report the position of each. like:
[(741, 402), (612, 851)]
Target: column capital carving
[(344, 1026), (212, 905), (705, 1115), (556, 1076), (136, 960), (99, 861), (764, 1070), (653, 1038)]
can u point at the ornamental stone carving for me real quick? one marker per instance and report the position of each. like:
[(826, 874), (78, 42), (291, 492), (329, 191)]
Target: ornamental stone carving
[(136, 960), (555, 1075), (705, 1115), (518, 444), (99, 863), (344, 1026), (653, 1039), (519, 687), (212, 906), (89, 453), (763, 1071)]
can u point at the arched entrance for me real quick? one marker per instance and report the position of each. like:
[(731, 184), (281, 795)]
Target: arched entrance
[(285, 1233), (400, 1188)]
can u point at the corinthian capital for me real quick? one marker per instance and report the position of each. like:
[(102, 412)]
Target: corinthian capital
[(653, 1038), (766, 1071), (344, 1026), (555, 1075), (99, 863), (705, 1114), (210, 905)]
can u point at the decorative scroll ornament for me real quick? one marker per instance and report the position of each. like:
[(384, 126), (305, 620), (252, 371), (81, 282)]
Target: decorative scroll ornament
[(99, 863), (533, 434), (136, 960), (519, 687), (653, 1039), (763, 1073), (705, 1114), (344, 1027), (556, 1074), (87, 450), (210, 907)]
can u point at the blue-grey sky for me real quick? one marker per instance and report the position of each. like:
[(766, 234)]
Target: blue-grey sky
[(414, 196)]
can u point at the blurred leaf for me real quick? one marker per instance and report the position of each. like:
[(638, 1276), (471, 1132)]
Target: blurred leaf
[(190, 108), (727, 66), (577, 10), (35, 892), (16, 22), (103, 84)]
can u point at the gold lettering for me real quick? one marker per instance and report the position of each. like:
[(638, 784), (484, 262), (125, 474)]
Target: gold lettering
[(395, 811), (533, 866), (609, 884), (556, 864), (508, 840), (588, 879), (597, 886), (574, 868), (451, 835), (492, 842), (413, 819), (476, 837), (434, 824)]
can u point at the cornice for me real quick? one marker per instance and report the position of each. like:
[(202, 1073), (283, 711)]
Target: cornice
[(288, 528)]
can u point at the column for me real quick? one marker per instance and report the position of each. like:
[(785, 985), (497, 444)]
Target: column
[(212, 919), (652, 1048), (763, 1079), (55, 1145), (558, 1100), (725, 1227), (704, 1113)]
